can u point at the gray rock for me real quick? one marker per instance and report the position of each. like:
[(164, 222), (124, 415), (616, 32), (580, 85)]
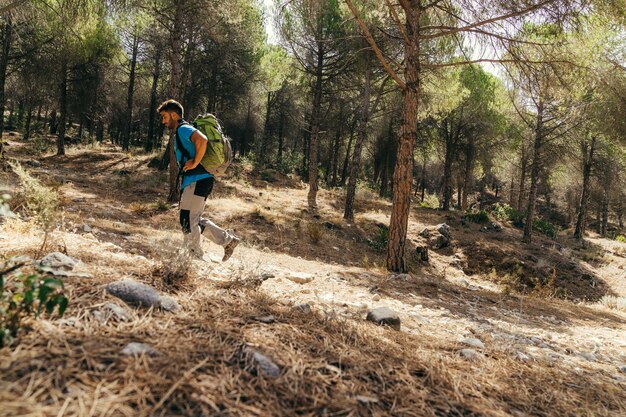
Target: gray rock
[(400, 277), (384, 316), (133, 292), (622, 369), (299, 278), (472, 341), (265, 319), (112, 310), (589, 356), (59, 261), (263, 364), (87, 228), (471, 354), (438, 241), (444, 229), (304, 308), (169, 304), (496, 226), (134, 348), (425, 233), (521, 356)]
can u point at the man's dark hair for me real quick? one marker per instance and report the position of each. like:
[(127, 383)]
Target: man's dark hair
[(171, 105)]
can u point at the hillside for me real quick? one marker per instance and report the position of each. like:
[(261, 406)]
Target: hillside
[(489, 326)]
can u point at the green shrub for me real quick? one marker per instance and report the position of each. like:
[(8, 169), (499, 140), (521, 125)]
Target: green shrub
[(620, 238), (380, 239), (289, 163), (506, 212), (545, 227), (24, 296), (430, 201), (477, 216)]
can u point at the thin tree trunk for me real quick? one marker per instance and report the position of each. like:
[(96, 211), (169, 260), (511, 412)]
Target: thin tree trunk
[(447, 167), (151, 140), (605, 211), (534, 176), (315, 126), (522, 181), (469, 168), (62, 107), (131, 91), (355, 165), (263, 154), (29, 117), (176, 64), (281, 133), (344, 169), (4, 63), (579, 232)]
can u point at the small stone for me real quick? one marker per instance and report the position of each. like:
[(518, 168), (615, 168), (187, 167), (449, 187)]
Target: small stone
[(87, 228), (384, 316), (364, 399), (470, 354), (59, 261), (622, 369), (496, 226), (300, 278), (589, 356), (134, 348), (400, 277), (444, 229), (264, 364), (112, 310), (471, 341), (133, 292), (304, 308), (169, 304), (265, 319), (521, 356), (425, 233), (267, 275), (376, 297)]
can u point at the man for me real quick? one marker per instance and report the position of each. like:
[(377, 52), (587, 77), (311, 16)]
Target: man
[(190, 145)]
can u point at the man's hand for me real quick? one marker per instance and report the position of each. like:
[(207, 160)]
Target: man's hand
[(189, 165)]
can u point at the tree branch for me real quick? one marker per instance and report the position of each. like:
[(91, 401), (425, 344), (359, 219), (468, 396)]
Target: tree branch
[(374, 46)]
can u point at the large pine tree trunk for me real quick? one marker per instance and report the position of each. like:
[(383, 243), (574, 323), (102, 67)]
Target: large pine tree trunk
[(315, 127), (4, 63), (355, 165), (131, 91), (534, 176), (403, 174), (62, 107), (579, 232), (151, 140)]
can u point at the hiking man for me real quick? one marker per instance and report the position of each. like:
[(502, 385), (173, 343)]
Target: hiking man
[(190, 145)]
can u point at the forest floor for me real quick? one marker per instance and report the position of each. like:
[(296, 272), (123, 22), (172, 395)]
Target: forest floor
[(481, 333)]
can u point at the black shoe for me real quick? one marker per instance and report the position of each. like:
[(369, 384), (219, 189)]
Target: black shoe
[(230, 248)]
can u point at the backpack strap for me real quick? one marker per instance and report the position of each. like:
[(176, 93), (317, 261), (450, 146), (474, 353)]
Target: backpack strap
[(179, 143)]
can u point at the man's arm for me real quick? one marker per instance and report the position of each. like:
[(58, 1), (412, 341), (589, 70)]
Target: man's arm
[(199, 141)]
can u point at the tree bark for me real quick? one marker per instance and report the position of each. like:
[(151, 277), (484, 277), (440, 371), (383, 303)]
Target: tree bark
[(4, 63), (522, 181), (176, 63), (131, 91), (62, 107), (355, 165), (344, 169), (315, 123), (534, 175), (151, 140), (579, 232), (403, 175), (29, 117), (469, 169)]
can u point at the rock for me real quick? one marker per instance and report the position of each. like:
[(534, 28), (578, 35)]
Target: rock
[(496, 226), (300, 278), (521, 356), (384, 316), (265, 319), (376, 297), (444, 229), (263, 364), (400, 277), (133, 292), (304, 308), (425, 233), (87, 228), (471, 354), (169, 304), (112, 310), (33, 163), (364, 399), (471, 341), (134, 348), (589, 356), (59, 261), (622, 368)]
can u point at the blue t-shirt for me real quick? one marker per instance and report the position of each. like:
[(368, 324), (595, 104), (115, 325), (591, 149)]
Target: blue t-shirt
[(184, 133)]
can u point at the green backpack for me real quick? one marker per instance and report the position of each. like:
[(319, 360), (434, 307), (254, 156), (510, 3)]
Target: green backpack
[(219, 151)]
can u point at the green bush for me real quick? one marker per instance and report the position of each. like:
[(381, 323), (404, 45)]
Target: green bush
[(506, 212), (545, 227), (380, 239), (477, 216), (430, 201), (620, 238), (289, 163), (24, 296)]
